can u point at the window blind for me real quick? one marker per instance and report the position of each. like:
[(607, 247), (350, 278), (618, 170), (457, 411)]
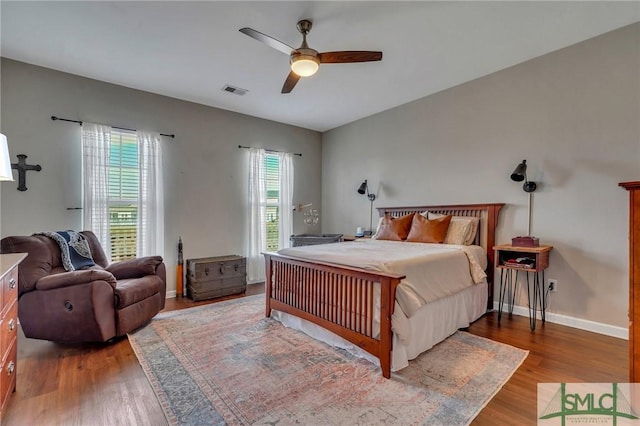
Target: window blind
[(123, 167), (272, 182), (124, 184)]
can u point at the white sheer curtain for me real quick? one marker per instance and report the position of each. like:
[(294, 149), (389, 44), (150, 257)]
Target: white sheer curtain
[(286, 199), (257, 215), (96, 141), (151, 195)]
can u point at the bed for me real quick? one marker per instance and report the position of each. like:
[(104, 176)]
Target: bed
[(355, 307)]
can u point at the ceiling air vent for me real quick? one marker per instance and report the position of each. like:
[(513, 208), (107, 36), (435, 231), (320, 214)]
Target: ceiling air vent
[(235, 90)]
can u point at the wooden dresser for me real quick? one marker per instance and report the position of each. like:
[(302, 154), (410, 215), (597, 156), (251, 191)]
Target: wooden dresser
[(634, 279), (8, 325)]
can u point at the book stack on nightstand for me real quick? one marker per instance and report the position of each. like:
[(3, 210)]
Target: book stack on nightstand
[(520, 263)]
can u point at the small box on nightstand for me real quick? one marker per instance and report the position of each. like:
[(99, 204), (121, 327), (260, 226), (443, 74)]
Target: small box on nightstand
[(525, 242)]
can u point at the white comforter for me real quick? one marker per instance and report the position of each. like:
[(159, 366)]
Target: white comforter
[(432, 271)]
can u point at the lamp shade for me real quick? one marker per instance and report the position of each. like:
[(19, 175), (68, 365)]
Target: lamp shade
[(363, 188), (5, 159), (304, 65), (520, 173)]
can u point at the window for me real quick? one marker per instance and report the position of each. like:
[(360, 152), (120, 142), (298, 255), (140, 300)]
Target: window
[(272, 182), (123, 190), (270, 207), (124, 182)]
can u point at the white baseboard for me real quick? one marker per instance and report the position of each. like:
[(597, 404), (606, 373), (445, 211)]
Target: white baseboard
[(582, 324), (171, 294)]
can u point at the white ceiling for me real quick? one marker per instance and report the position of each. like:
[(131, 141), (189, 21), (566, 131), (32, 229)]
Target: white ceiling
[(190, 50)]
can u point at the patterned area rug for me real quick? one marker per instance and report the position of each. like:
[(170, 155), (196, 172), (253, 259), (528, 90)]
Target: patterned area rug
[(225, 363)]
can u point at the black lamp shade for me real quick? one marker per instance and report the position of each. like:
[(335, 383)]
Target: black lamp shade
[(520, 173), (363, 188)]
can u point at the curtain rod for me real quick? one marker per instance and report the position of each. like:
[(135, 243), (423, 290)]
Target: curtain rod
[(54, 118), (269, 150)]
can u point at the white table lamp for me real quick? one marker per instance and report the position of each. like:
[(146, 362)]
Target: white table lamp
[(5, 160)]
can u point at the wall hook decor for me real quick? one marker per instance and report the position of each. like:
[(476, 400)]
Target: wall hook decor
[(22, 167)]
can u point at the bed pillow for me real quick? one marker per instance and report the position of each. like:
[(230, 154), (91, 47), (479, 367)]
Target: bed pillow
[(462, 229), (394, 228), (424, 230)]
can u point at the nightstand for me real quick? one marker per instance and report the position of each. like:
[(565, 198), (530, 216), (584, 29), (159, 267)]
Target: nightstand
[(511, 260), (354, 238)]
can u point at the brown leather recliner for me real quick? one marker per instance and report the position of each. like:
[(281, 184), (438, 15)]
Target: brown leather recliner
[(88, 305)]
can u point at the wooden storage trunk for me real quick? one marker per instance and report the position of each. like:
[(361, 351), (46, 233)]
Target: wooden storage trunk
[(211, 277)]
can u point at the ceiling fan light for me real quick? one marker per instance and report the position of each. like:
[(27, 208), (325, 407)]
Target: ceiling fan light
[(305, 65)]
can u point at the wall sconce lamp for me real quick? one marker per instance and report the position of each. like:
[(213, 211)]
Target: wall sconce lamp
[(5, 160), (519, 175), (364, 189)]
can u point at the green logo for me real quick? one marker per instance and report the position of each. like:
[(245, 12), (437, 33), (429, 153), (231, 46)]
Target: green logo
[(588, 404)]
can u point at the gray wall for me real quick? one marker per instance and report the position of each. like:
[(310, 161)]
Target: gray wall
[(573, 114), (205, 174)]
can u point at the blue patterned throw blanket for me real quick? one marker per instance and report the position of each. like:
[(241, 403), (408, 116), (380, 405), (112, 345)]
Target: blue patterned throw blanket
[(74, 249)]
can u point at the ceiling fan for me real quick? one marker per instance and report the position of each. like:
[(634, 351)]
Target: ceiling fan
[(304, 60)]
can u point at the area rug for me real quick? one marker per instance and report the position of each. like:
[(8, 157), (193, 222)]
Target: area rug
[(225, 363)]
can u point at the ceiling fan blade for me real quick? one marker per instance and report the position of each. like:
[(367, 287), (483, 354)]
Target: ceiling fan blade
[(348, 56), (290, 82), (268, 40)]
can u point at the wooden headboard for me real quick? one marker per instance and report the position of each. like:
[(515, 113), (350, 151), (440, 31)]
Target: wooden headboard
[(486, 237)]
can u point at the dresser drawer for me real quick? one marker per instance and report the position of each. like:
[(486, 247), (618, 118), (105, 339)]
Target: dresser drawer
[(9, 289), (8, 325), (8, 375), (8, 329)]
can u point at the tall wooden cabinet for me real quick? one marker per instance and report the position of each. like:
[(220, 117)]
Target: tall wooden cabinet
[(634, 279)]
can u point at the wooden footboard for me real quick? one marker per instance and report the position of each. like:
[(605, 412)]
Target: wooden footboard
[(341, 298), (337, 298)]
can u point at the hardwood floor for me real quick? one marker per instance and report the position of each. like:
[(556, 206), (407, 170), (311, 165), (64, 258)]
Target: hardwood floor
[(556, 354), (103, 384)]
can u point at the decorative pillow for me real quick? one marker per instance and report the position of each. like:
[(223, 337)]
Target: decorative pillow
[(394, 228), (74, 249), (462, 229), (424, 230)]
